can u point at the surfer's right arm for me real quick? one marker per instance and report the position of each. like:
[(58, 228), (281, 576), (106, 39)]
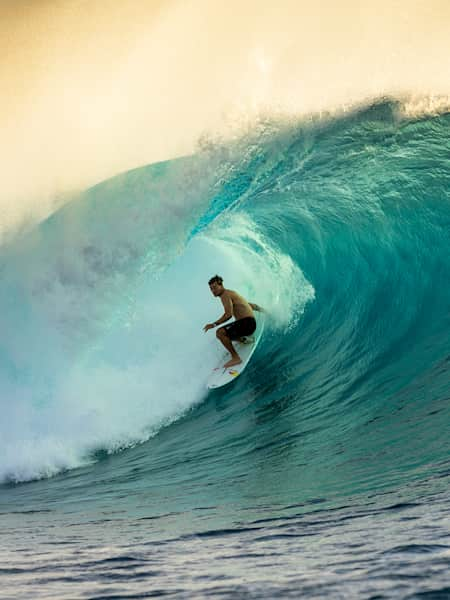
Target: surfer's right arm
[(228, 307)]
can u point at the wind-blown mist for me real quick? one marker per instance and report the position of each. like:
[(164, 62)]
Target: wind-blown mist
[(94, 88)]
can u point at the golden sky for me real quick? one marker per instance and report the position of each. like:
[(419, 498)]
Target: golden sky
[(90, 88)]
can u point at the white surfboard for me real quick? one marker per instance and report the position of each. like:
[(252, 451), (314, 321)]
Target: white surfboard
[(221, 376)]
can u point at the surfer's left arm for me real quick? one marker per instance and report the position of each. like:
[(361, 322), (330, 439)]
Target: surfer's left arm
[(256, 307)]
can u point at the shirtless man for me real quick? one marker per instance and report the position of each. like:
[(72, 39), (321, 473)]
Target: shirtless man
[(234, 305)]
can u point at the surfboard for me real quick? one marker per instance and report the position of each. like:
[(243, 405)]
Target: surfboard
[(221, 376)]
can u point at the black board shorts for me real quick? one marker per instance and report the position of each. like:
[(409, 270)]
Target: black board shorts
[(240, 328)]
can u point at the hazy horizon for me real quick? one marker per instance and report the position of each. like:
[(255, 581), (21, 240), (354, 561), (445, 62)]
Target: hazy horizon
[(90, 89)]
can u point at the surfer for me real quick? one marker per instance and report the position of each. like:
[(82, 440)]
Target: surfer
[(236, 306)]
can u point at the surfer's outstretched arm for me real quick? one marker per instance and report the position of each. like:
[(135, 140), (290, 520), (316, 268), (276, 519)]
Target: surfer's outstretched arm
[(256, 307)]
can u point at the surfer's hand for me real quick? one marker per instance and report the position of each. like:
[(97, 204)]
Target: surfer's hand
[(208, 326)]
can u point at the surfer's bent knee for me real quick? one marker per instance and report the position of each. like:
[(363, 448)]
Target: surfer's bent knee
[(221, 331)]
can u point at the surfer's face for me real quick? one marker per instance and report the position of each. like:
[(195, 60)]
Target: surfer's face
[(216, 288)]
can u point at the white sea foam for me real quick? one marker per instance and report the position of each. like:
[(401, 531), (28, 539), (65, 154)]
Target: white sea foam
[(150, 364)]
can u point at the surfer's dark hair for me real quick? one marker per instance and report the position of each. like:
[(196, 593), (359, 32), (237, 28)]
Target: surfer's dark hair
[(216, 279)]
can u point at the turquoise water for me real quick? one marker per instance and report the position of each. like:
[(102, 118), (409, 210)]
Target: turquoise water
[(323, 469)]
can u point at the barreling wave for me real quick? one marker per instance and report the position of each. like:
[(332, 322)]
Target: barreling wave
[(339, 227)]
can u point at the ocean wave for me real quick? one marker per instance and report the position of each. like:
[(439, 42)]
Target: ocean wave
[(337, 225)]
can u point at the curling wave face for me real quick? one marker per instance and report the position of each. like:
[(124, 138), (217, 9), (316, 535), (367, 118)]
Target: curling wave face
[(340, 228)]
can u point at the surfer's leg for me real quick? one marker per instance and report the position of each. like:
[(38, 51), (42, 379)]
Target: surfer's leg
[(221, 335), (243, 330), (232, 362)]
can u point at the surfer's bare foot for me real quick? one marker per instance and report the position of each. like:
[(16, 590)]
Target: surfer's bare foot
[(233, 361)]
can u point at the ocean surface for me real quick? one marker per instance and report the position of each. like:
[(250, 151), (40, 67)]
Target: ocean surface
[(324, 469)]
